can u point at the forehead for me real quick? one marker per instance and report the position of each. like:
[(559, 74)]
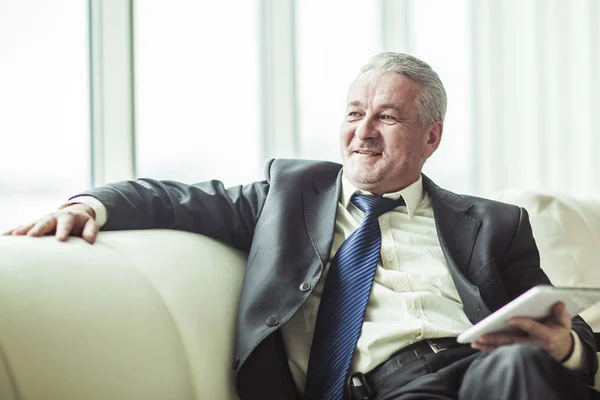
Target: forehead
[(375, 87)]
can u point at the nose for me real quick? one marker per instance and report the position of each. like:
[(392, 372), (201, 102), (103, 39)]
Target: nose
[(366, 129)]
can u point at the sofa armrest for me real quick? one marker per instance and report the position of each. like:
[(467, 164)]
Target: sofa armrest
[(138, 315)]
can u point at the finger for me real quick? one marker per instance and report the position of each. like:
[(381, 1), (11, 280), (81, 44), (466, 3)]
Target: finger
[(532, 327), (499, 339), (22, 230), (510, 340), (483, 347), (64, 226), (561, 315), (43, 226), (501, 336), (90, 231)]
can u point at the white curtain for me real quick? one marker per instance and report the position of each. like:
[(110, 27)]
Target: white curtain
[(535, 84)]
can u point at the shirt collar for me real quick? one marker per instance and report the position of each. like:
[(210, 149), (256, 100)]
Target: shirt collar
[(412, 194)]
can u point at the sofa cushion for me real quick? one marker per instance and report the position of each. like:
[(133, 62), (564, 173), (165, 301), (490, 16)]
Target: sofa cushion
[(567, 232)]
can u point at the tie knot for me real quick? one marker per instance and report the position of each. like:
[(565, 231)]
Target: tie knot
[(378, 205)]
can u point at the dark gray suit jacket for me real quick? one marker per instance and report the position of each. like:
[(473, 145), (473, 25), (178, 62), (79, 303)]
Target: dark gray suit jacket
[(286, 224)]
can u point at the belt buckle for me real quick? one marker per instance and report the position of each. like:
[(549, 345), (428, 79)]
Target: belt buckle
[(358, 387), (436, 349)]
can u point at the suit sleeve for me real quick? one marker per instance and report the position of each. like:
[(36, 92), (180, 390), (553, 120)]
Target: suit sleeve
[(207, 208), (521, 271)]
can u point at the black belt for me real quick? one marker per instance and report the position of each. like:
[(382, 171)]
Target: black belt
[(360, 386)]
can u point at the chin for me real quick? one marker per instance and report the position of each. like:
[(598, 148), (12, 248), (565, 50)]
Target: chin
[(364, 179)]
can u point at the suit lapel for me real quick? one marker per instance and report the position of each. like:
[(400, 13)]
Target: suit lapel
[(457, 231), (320, 205)]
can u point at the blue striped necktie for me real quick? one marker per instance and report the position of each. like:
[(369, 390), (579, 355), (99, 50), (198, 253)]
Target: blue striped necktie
[(343, 302)]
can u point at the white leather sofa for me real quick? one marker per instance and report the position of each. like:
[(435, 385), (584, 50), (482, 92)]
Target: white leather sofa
[(144, 315)]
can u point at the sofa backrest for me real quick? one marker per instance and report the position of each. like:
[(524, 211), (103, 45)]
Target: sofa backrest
[(567, 232)]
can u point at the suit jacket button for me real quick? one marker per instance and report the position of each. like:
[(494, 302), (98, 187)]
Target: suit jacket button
[(305, 286), (236, 363), (272, 321), (478, 310)]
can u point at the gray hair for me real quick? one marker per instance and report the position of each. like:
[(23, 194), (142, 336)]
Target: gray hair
[(431, 101)]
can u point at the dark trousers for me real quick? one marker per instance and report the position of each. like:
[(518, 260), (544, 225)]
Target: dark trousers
[(509, 373)]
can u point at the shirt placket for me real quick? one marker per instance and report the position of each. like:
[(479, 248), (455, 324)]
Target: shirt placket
[(389, 261)]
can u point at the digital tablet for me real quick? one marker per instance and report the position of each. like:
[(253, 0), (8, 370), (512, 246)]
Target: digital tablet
[(536, 303)]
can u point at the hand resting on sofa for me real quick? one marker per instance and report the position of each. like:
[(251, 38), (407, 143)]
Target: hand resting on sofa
[(73, 220)]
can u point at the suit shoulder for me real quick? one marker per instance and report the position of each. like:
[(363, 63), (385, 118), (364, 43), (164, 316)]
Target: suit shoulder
[(298, 170), (468, 202), (489, 203), (488, 208)]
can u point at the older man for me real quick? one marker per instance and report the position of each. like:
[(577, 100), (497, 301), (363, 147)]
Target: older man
[(359, 278)]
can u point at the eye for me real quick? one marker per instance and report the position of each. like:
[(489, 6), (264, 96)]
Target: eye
[(354, 115), (387, 117)]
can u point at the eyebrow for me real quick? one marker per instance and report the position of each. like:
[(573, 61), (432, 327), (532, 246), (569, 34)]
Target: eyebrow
[(392, 106), (382, 106)]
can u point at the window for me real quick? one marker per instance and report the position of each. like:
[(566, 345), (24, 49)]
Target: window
[(197, 95), (331, 51), (44, 102), (446, 49)]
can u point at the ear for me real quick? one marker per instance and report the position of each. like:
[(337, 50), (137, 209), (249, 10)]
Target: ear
[(432, 137)]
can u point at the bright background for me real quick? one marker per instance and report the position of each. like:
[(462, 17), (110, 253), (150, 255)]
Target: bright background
[(191, 90), (44, 106)]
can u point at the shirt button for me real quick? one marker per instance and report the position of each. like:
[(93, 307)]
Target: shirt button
[(305, 286), (389, 257), (401, 288), (272, 321), (381, 222)]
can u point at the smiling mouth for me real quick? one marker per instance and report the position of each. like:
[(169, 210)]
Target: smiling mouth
[(367, 153)]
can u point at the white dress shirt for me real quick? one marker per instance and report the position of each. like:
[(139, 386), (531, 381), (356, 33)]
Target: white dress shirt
[(413, 295)]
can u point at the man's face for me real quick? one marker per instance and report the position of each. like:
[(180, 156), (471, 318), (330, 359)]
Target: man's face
[(382, 141)]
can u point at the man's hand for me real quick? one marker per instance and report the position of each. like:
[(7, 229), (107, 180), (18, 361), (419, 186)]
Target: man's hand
[(553, 335), (74, 220)]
